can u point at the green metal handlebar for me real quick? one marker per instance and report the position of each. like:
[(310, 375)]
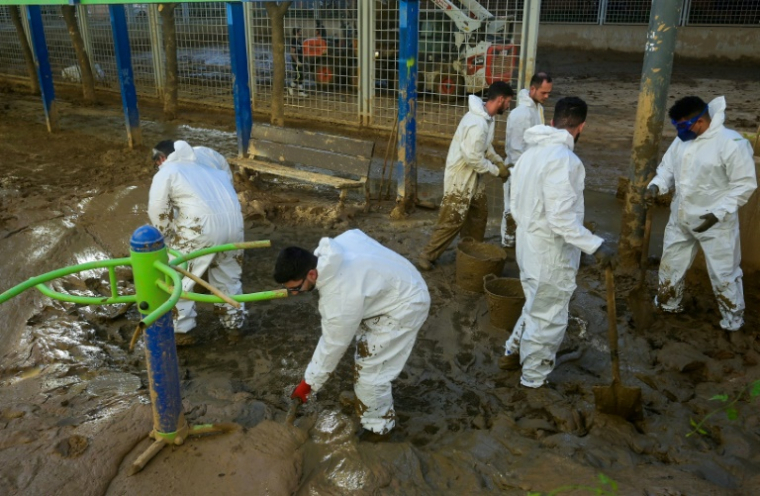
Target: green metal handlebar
[(175, 291)]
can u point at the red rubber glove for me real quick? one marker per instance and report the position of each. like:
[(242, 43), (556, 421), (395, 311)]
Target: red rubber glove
[(302, 392)]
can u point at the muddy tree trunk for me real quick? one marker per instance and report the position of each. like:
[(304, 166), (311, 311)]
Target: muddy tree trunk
[(169, 33), (276, 15), (83, 60), (34, 83)]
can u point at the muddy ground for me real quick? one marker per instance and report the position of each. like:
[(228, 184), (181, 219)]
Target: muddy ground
[(74, 407)]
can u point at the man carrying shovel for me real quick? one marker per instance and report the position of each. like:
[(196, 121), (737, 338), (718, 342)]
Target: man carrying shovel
[(368, 292), (547, 205)]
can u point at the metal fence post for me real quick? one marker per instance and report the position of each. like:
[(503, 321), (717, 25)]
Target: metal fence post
[(241, 93), (156, 48), (126, 76), (406, 168), (650, 114), (366, 91), (528, 42), (602, 13), (42, 62), (685, 13), (84, 29), (251, 50)]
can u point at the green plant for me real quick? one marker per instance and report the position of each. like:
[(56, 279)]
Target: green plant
[(605, 487), (729, 407)]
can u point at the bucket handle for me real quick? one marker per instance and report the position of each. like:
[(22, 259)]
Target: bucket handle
[(467, 239), (489, 278)]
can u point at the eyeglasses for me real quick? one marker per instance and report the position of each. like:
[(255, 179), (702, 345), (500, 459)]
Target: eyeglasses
[(296, 289)]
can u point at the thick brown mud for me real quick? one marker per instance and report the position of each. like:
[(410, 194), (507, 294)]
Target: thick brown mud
[(74, 405)]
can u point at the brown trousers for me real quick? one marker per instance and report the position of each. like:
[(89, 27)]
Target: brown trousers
[(463, 216)]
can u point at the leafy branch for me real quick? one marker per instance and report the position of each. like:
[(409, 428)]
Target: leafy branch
[(729, 407)]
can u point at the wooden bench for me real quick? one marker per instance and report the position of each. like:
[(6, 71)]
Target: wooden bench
[(310, 157)]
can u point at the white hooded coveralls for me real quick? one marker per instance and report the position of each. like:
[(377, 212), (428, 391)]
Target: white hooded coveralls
[(374, 294), (547, 205), (195, 206), (212, 158), (714, 173), (471, 155), (527, 114)]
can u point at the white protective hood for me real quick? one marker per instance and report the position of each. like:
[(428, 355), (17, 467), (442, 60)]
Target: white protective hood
[(526, 115)]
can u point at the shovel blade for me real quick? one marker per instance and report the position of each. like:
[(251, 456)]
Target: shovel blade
[(619, 400)]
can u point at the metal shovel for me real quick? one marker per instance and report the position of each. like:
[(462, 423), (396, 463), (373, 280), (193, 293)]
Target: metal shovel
[(639, 300), (616, 399)]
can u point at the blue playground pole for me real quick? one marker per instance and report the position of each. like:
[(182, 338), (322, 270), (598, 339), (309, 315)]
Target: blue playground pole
[(241, 92), (43, 66), (406, 167), (147, 247), (126, 77)]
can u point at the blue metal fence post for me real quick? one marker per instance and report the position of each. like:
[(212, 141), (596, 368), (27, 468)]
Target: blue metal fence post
[(147, 247), (126, 77), (406, 167), (42, 63), (241, 92)]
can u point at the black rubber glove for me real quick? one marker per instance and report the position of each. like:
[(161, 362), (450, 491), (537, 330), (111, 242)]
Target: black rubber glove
[(606, 255), (709, 221), (650, 195)]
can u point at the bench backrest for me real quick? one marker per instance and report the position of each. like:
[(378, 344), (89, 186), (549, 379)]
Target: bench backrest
[(287, 146)]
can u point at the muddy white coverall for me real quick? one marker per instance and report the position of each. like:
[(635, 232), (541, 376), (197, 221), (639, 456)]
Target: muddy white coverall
[(374, 294), (547, 205), (195, 206), (714, 173), (464, 209), (212, 158), (527, 114)]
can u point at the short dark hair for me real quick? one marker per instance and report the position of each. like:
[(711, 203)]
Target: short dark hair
[(293, 263), (538, 79), (687, 107), (499, 88), (570, 112), (163, 149)]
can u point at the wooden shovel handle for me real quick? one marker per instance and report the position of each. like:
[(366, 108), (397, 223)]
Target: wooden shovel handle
[(647, 237), (612, 325)]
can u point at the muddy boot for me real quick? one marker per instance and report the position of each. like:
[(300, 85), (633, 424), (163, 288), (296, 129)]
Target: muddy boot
[(424, 264), (184, 339), (373, 437), (510, 362)]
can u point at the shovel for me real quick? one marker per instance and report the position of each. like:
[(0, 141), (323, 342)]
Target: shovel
[(292, 411), (639, 300), (616, 399)]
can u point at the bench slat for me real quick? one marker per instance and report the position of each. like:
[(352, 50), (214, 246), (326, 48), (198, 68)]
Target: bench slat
[(311, 139), (293, 173), (298, 155)]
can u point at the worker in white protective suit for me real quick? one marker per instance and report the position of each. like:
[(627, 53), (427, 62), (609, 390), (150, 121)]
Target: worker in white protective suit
[(195, 206), (367, 292), (203, 155), (713, 173), (464, 209), (547, 205), (528, 113)]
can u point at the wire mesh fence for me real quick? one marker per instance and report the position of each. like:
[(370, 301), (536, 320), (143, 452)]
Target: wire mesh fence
[(321, 60), (461, 51), (11, 57), (720, 12)]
